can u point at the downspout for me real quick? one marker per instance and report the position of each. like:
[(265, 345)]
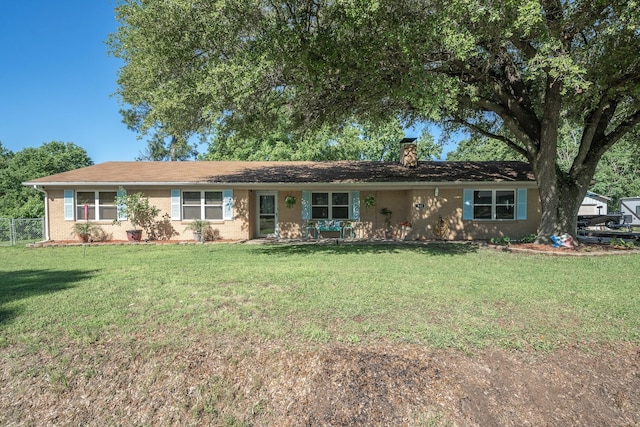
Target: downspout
[(46, 211)]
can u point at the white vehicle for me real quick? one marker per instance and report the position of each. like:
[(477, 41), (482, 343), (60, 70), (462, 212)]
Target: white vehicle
[(630, 209)]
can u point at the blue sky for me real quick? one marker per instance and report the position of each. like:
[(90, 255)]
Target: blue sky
[(57, 81)]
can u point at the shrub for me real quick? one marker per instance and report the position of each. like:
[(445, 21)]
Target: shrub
[(502, 241), (529, 238)]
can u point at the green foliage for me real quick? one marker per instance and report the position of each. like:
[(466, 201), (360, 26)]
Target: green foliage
[(352, 141), (369, 201), (198, 225), (618, 173), (618, 242), (387, 216), (501, 241), (290, 201), (530, 238), (478, 148), (5, 156), (18, 201), (86, 229), (158, 149), (137, 209), (511, 71)]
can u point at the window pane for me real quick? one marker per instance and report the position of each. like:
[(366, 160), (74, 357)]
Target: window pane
[(107, 212), (213, 212), (505, 197), (504, 212), (267, 204), (212, 197), (482, 212), (319, 212), (320, 199), (191, 212), (482, 197), (340, 212), (191, 197), (88, 197), (340, 199), (267, 225), (80, 213), (107, 198)]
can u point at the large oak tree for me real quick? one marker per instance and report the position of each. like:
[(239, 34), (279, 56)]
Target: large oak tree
[(504, 69)]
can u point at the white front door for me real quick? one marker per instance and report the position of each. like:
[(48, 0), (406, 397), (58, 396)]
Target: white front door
[(267, 206)]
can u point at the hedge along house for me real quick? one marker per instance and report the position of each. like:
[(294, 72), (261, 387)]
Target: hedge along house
[(248, 200)]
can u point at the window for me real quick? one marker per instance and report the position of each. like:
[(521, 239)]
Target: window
[(494, 204), (87, 201), (330, 205), (202, 205)]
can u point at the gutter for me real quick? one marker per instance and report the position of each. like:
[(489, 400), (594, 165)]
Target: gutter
[(290, 185), (46, 211)]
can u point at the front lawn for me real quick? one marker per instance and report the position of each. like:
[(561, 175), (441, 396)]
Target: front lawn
[(233, 334), (452, 295)]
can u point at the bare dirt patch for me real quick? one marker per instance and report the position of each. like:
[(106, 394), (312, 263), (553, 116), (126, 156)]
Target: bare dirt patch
[(582, 249), (262, 384)]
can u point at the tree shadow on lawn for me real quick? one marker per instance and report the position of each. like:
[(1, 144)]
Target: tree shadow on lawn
[(22, 284), (339, 247)]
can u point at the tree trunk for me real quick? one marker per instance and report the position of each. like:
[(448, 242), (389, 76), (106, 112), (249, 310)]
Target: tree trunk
[(561, 194), (560, 201)]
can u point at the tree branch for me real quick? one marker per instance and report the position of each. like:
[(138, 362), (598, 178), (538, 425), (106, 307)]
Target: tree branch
[(511, 144), (513, 124), (622, 129), (592, 122)]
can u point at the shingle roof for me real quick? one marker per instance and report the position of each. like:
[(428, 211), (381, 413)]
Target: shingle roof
[(234, 172)]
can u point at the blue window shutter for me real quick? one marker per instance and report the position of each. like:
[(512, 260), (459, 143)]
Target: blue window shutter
[(521, 206), (121, 209), (355, 205), (467, 204), (69, 205), (227, 205), (175, 205), (306, 205)]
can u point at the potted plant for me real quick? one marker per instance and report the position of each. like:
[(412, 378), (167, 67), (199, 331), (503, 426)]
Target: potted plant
[(290, 201), (387, 221), (84, 230), (137, 209), (387, 216), (369, 201), (199, 228)]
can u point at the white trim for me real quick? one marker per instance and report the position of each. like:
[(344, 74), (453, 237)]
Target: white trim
[(493, 204), (202, 205), (276, 228), (344, 186), (96, 203), (46, 212)]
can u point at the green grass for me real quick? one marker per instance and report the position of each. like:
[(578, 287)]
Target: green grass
[(449, 295)]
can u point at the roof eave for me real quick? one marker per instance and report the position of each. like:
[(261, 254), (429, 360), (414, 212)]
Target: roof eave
[(377, 184)]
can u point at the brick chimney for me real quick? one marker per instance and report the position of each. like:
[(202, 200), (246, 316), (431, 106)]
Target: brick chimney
[(408, 153)]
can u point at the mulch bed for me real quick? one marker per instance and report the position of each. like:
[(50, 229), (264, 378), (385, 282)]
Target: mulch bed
[(582, 249)]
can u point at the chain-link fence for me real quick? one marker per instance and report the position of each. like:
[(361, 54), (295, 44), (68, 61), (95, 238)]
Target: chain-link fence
[(6, 236), (21, 231)]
